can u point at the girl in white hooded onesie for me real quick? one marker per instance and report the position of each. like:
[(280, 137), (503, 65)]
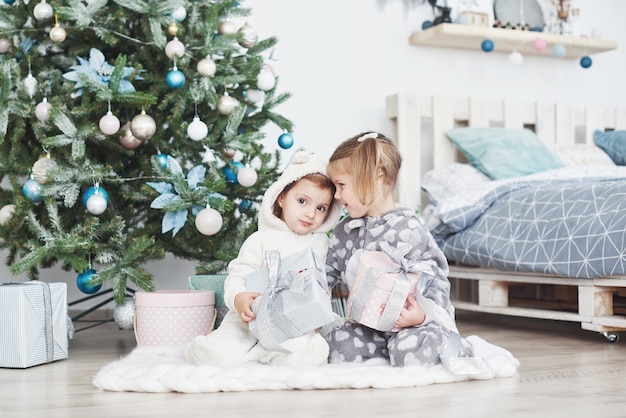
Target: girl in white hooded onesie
[(296, 213)]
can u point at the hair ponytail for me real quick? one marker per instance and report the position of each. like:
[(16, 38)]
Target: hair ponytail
[(371, 155)]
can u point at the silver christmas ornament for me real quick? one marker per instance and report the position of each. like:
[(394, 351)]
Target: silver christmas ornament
[(124, 314), (249, 36), (174, 49), (127, 140), (227, 28), (42, 110), (57, 34), (42, 167), (143, 126), (206, 67), (226, 104)]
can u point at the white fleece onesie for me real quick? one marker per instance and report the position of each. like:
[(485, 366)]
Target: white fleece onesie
[(232, 343)]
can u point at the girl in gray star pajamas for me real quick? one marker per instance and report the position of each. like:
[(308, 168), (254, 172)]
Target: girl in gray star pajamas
[(364, 170)]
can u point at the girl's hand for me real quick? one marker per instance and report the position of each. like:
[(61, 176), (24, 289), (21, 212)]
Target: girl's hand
[(243, 304), (411, 315)]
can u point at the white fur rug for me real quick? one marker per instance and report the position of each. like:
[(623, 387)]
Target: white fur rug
[(163, 369)]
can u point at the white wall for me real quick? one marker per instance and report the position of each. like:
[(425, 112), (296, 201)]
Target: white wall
[(341, 58)]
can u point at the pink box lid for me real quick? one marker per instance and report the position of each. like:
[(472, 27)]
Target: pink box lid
[(163, 298)]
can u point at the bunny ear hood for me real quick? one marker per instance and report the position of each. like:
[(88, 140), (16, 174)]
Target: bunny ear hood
[(302, 163)]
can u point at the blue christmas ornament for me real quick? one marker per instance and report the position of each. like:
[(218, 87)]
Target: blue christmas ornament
[(179, 14), (9, 2), (487, 45), (32, 190), (244, 206), (82, 281), (285, 141), (247, 206), (229, 174), (559, 50), (162, 160), (175, 79), (585, 62), (94, 190)]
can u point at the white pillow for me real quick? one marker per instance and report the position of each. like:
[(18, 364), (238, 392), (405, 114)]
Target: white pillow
[(444, 183), (582, 154)]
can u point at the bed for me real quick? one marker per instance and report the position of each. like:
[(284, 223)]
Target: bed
[(571, 192)]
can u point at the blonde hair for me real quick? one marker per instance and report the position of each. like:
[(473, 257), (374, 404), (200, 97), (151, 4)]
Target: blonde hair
[(366, 157)]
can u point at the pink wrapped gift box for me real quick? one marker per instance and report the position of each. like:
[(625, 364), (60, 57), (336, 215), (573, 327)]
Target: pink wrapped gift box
[(173, 317), (379, 280)]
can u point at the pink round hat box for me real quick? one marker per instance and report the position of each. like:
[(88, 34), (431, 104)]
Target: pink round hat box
[(173, 317)]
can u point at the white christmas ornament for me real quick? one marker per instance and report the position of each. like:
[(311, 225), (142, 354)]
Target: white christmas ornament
[(5, 45), (255, 96), (206, 67), (96, 204), (247, 177), (174, 48), (42, 11), (516, 58), (124, 314), (42, 110), (209, 221), (109, 124), (30, 84), (6, 212), (197, 130), (265, 80)]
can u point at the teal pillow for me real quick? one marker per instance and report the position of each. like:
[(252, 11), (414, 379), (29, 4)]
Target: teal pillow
[(503, 153), (613, 143)]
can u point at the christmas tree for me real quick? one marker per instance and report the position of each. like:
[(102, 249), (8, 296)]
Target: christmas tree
[(130, 129)]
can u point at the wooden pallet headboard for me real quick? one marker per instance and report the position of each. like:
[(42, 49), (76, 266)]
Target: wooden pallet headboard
[(419, 126)]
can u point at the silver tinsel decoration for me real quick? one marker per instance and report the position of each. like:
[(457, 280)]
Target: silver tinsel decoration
[(124, 314)]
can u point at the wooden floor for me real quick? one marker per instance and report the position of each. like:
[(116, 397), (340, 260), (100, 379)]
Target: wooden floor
[(565, 372)]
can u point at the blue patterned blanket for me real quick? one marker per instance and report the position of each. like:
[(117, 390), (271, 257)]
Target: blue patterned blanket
[(567, 227)]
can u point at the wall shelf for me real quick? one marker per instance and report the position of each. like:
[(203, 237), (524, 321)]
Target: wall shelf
[(450, 35)]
